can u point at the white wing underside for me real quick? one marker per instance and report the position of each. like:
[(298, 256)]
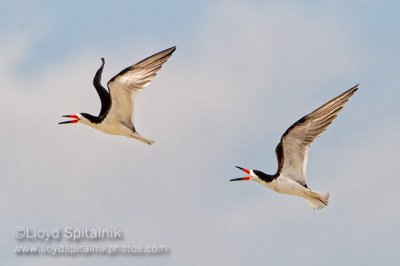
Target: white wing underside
[(296, 140), (125, 85)]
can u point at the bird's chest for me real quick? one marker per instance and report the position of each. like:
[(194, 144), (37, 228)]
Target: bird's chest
[(283, 185), (112, 128)]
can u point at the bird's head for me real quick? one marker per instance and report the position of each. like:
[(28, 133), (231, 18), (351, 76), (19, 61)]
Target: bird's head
[(251, 175), (83, 118)]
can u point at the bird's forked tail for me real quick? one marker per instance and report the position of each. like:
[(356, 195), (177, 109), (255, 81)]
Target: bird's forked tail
[(317, 200)]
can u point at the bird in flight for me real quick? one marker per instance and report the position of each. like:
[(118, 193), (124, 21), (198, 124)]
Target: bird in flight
[(116, 113), (292, 154)]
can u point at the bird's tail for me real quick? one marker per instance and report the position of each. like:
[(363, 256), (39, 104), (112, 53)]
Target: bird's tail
[(317, 200), (139, 137)]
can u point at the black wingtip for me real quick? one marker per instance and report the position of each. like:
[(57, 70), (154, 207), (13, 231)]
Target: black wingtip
[(102, 60), (354, 88), (172, 49)]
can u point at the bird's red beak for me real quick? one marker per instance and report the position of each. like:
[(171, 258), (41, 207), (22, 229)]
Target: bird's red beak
[(242, 178), (71, 121)]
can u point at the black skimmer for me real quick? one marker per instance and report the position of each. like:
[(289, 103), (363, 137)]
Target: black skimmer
[(116, 112), (292, 153)]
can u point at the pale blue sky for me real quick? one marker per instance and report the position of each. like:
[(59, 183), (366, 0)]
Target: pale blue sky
[(242, 73)]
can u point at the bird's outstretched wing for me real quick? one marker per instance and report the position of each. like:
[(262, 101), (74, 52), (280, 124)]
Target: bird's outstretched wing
[(124, 86), (292, 150)]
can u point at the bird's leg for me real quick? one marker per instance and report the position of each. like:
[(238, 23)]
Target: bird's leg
[(137, 136)]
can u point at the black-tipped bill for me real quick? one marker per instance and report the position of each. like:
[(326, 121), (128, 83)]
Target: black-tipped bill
[(71, 121), (241, 178), (243, 169)]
